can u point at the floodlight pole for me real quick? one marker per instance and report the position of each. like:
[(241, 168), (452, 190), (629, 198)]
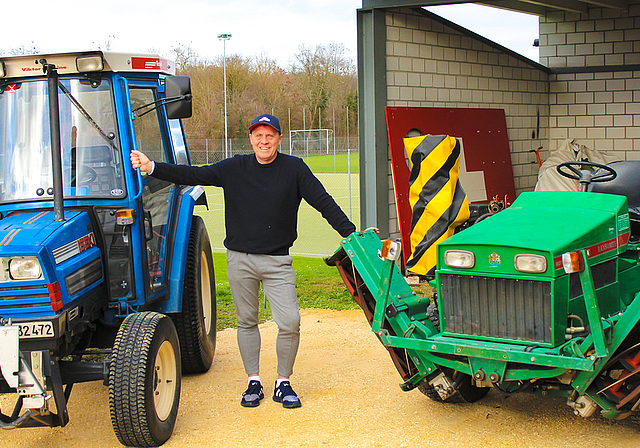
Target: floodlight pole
[(224, 38)]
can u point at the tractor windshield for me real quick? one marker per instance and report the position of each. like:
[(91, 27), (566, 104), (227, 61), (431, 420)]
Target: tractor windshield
[(91, 164)]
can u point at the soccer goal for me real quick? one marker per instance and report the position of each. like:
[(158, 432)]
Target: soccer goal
[(310, 142)]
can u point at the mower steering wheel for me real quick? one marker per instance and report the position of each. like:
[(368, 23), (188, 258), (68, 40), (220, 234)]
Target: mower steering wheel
[(577, 170)]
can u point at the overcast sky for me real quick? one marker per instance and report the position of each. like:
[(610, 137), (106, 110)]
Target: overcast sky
[(274, 28)]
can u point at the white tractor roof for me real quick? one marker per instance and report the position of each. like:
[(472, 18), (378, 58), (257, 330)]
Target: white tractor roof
[(29, 65)]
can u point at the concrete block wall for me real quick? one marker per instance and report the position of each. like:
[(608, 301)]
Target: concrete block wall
[(430, 64), (595, 89)]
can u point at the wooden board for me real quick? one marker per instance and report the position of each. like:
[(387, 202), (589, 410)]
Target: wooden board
[(485, 163)]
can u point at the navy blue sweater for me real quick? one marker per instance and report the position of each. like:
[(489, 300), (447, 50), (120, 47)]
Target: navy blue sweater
[(261, 200)]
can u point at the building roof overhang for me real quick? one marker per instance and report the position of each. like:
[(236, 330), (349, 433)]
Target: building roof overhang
[(537, 7)]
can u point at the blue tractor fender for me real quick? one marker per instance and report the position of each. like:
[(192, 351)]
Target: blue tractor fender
[(185, 205)]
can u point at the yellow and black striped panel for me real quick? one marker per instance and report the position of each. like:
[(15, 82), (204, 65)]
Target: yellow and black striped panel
[(437, 200)]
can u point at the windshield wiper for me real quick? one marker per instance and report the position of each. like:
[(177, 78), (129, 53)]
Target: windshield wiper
[(107, 137)]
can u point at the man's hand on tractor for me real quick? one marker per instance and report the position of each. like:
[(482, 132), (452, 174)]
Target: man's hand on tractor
[(139, 160)]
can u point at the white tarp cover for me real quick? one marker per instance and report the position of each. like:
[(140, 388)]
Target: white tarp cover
[(548, 177)]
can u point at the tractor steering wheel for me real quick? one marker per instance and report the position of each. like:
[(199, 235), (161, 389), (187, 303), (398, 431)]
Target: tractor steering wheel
[(88, 176), (577, 170)]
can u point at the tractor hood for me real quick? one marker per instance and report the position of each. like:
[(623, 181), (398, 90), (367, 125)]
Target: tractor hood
[(46, 264), (36, 233), (25, 230), (548, 224)]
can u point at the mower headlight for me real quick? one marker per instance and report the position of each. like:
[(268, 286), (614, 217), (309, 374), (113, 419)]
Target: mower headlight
[(25, 268), (459, 259), (535, 264)]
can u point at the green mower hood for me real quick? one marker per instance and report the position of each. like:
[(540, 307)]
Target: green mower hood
[(546, 224)]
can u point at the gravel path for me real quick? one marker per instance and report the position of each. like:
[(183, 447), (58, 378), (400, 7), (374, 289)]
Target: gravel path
[(350, 395)]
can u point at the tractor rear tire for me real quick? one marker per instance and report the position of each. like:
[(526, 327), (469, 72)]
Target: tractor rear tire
[(145, 380), (196, 324)]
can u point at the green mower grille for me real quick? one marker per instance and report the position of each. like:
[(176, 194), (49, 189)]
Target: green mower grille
[(496, 307)]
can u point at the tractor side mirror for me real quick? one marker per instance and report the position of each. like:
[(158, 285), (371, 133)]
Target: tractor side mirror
[(178, 96)]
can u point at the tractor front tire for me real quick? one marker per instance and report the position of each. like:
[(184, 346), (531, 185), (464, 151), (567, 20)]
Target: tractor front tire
[(196, 324), (145, 380)]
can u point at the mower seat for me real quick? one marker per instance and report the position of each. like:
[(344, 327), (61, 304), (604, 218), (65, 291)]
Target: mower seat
[(627, 183)]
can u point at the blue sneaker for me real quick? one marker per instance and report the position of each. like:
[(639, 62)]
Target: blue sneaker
[(252, 396), (284, 394)]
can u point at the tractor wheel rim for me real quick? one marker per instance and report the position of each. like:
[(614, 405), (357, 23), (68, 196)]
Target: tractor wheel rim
[(205, 293), (165, 380)]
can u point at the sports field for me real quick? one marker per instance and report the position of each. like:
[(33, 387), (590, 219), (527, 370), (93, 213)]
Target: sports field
[(316, 238)]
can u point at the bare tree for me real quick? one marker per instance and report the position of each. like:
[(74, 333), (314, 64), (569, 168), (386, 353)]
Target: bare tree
[(323, 82), (106, 45), (24, 49), (318, 72), (185, 56), (269, 82)]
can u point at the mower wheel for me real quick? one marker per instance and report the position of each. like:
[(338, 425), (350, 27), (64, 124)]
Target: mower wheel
[(467, 392), (429, 391), (432, 314)]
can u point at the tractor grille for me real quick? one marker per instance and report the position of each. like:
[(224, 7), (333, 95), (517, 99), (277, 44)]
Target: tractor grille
[(496, 307)]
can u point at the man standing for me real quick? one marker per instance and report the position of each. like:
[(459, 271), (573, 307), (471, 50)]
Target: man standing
[(262, 193)]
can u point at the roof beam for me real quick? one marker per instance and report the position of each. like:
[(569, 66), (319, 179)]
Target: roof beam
[(537, 7), (613, 4), (402, 3), (517, 6), (565, 5)]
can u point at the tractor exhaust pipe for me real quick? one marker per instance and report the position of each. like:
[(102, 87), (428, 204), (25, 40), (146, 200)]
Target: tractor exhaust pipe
[(54, 125)]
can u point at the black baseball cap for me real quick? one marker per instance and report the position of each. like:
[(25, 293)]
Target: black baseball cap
[(266, 119)]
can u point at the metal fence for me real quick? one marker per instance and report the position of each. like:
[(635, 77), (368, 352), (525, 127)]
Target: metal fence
[(210, 150), (335, 166)]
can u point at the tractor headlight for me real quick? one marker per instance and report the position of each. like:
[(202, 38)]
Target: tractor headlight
[(25, 268), (92, 63), (535, 264), (459, 259)]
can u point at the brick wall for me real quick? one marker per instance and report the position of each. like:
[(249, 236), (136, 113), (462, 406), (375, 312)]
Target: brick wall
[(430, 64), (591, 94), (595, 91)]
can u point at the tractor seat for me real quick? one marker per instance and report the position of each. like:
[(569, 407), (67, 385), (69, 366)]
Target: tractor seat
[(100, 154), (627, 183), (100, 159)]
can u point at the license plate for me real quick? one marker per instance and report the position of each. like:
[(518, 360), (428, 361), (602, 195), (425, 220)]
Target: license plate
[(30, 330)]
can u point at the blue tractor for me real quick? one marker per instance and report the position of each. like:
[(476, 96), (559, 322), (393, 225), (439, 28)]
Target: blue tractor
[(105, 273)]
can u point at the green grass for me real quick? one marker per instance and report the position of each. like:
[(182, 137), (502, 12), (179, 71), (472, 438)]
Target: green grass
[(318, 286), (331, 164)]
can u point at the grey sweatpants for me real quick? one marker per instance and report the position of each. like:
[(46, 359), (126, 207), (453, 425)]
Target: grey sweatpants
[(245, 273)]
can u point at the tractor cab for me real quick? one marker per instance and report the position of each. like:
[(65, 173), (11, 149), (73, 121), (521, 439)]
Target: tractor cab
[(103, 104), (95, 255)]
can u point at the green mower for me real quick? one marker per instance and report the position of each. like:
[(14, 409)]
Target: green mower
[(542, 297)]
